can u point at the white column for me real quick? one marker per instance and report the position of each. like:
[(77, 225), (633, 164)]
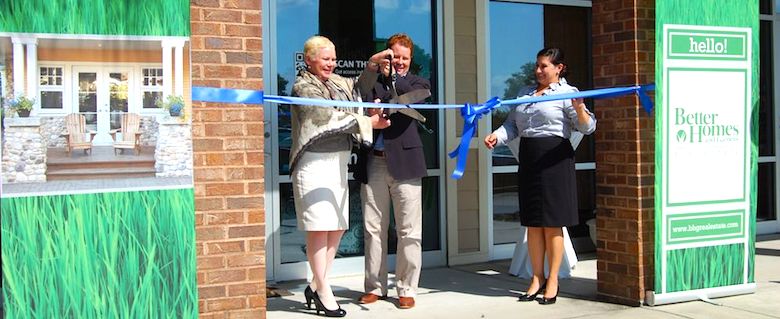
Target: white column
[(167, 69), (18, 67), (33, 77), (178, 67)]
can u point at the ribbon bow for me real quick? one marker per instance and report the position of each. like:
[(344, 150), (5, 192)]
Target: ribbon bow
[(471, 113)]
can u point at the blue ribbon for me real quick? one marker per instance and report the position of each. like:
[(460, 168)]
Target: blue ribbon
[(641, 90), (217, 95), (471, 113)]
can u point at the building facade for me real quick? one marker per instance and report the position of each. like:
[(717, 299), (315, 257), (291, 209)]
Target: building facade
[(470, 50)]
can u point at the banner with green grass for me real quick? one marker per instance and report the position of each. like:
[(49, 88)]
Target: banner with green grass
[(99, 17), (104, 255), (706, 126)]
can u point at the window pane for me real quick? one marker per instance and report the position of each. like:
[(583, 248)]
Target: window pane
[(512, 62), (586, 205), (50, 76), (88, 97), (764, 6), (293, 240), (766, 192), (118, 99), (364, 32), (152, 77), (766, 124), (506, 209), (150, 98), (51, 100)]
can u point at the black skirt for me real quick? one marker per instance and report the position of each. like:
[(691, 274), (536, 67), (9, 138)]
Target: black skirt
[(547, 185)]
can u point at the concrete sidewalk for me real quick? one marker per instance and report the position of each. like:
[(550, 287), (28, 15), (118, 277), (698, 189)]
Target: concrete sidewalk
[(487, 291)]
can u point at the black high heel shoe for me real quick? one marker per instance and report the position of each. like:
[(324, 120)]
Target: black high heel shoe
[(327, 312), (550, 301), (532, 297), (309, 295)]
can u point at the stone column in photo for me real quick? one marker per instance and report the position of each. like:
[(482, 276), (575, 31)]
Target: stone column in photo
[(24, 150), (173, 153)]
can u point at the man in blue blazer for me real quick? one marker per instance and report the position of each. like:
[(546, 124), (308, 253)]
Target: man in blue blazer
[(392, 173)]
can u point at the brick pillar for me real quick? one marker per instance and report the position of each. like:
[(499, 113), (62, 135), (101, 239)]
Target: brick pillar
[(228, 147), (624, 54)]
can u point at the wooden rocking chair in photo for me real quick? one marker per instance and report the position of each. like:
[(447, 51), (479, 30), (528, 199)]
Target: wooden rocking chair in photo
[(131, 134), (76, 136)]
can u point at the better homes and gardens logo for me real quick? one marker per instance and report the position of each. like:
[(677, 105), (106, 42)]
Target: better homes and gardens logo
[(701, 127)]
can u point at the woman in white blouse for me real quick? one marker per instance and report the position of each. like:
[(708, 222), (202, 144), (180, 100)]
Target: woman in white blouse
[(546, 175)]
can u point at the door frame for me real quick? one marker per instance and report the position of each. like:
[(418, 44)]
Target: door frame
[(506, 250), (276, 271), (103, 112)]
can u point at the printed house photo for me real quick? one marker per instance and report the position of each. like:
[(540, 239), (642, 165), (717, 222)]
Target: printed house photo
[(102, 100), (96, 160)]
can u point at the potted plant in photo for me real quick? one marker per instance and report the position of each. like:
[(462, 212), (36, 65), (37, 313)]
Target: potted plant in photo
[(173, 103), (21, 105)]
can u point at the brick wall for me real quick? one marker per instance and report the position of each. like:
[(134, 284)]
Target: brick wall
[(624, 54), (228, 146)]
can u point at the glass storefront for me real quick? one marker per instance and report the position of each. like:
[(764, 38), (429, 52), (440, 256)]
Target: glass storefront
[(358, 29), (512, 63), (361, 28), (767, 205)]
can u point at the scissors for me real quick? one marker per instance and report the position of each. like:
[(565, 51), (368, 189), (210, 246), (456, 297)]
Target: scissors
[(406, 98)]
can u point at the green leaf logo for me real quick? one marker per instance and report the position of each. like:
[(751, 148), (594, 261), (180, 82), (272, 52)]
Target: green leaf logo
[(681, 136)]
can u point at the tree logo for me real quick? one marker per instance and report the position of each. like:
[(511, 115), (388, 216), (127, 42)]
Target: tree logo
[(681, 136)]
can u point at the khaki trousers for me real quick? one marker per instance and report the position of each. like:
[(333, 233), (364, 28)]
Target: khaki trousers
[(407, 207)]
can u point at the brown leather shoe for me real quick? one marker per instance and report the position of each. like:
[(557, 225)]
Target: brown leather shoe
[(405, 302), (369, 298)]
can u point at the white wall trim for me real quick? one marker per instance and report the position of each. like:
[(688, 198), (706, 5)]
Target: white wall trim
[(167, 63), (18, 63), (32, 73), (450, 138), (178, 69), (484, 155)]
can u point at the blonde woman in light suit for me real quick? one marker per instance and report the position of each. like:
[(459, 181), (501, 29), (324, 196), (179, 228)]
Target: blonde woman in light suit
[(321, 145)]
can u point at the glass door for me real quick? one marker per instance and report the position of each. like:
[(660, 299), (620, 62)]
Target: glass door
[(102, 96), (358, 30), (511, 70), (768, 190), (118, 102)]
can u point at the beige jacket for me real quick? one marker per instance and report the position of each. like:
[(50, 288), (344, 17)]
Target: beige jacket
[(311, 123)]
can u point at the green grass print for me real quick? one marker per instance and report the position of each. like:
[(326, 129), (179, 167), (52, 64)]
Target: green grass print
[(738, 13), (109, 255), (103, 17), (705, 267)]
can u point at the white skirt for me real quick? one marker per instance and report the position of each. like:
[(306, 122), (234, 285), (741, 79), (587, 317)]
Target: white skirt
[(321, 192)]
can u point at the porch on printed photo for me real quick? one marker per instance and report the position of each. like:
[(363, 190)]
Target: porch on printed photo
[(95, 114)]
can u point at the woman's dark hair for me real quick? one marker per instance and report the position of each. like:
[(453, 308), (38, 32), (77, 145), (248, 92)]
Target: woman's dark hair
[(556, 57)]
